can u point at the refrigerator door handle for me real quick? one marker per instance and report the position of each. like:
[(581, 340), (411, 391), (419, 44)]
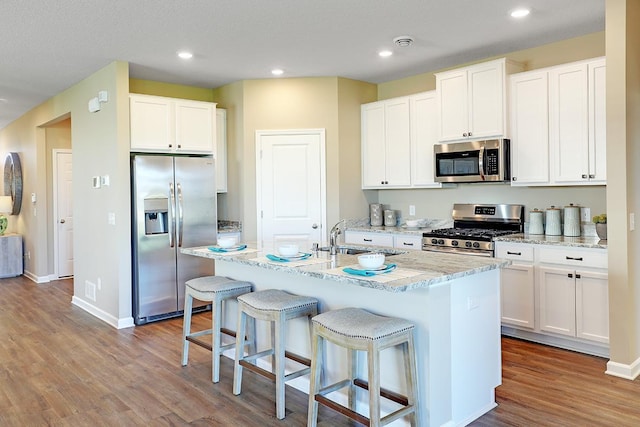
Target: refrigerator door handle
[(180, 214), (172, 214)]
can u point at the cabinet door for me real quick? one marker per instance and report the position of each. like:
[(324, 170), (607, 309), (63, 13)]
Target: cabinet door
[(486, 100), (424, 135), (373, 145), (397, 143), (557, 300), (151, 122), (401, 241), (597, 122), (195, 126), (221, 150), (592, 306), (452, 107), (517, 292), (364, 238), (568, 123), (529, 128)]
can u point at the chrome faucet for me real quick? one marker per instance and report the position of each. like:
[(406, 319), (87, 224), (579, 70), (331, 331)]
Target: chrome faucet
[(333, 237)]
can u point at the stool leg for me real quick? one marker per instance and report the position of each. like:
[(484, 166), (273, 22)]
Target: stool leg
[(186, 327), (216, 319), (412, 379), (352, 372), (240, 334), (280, 341), (373, 363), (317, 347)]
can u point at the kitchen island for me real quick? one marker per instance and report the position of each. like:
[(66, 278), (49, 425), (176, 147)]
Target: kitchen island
[(454, 300)]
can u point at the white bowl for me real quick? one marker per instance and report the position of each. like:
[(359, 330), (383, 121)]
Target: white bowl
[(288, 250), (371, 261), (227, 242)]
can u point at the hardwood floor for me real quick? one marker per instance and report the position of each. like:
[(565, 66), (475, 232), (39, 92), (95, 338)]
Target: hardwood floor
[(60, 366)]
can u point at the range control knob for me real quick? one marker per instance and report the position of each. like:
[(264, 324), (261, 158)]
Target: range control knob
[(434, 241), (467, 244), (440, 242), (476, 245), (454, 243)]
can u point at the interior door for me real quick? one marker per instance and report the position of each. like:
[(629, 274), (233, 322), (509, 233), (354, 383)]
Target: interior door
[(64, 212), (291, 189)]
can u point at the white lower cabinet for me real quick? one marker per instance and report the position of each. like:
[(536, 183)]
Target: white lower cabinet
[(366, 238), (556, 294), (404, 241)]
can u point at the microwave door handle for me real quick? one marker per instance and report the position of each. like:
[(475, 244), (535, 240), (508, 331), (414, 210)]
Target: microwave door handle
[(481, 163)]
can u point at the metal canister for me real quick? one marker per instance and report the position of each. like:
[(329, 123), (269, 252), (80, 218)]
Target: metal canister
[(536, 218), (375, 214), (390, 219), (572, 220), (553, 222)]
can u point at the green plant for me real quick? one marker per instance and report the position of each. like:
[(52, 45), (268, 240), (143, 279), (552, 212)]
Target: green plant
[(600, 219)]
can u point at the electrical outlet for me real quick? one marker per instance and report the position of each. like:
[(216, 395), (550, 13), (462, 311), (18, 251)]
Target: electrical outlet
[(412, 210), (585, 214)]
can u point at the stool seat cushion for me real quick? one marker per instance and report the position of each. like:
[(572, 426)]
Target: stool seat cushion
[(216, 284), (276, 300), (360, 324)]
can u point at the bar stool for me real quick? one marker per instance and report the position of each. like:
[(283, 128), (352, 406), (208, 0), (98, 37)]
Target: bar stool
[(214, 289), (356, 329), (277, 307)]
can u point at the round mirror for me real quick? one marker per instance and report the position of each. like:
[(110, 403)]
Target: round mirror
[(13, 181)]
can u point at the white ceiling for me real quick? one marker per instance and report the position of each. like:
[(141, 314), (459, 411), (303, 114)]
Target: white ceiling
[(47, 46)]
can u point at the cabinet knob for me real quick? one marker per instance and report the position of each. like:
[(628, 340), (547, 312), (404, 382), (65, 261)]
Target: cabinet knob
[(62, 221), (179, 145), (592, 175), (577, 276), (314, 226), (514, 178), (584, 176), (464, 134), (469, 133), (570, 276), (170, 145)]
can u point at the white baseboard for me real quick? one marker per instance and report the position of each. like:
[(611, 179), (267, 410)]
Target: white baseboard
[(126, 322), (629, 372), (37, 279)]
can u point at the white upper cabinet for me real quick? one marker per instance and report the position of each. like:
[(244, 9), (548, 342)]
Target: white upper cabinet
[(424, 135), (558, 125), (170, 125), (471, 101), (529, 118), (386, 144)]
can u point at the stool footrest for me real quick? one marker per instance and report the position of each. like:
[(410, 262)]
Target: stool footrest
[(297, 358), (342, 410), (198, 342), (387, 394)]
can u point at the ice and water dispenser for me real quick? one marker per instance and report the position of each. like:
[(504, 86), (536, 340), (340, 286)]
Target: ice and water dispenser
[(156, 215)]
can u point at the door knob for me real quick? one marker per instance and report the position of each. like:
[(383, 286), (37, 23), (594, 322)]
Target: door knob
[(314, 226), (62, 221)]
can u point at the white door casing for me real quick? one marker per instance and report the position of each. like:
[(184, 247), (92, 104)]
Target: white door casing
[(63, 217), (291, 187)]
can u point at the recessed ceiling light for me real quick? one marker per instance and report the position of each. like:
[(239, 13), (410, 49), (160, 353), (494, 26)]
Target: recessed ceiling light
[(520, 13), (385, 53), (185, 55), (277, 72)]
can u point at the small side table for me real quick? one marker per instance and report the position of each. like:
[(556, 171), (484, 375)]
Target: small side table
[(11, 255)]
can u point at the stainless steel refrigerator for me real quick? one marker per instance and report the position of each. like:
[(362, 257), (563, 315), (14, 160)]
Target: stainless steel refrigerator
[(173, 206)]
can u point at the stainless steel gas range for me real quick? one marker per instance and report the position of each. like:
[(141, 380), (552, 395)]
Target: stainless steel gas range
[(474, 228)]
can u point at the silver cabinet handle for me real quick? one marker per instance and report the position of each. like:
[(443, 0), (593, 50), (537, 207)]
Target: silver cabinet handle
[(514, 253), (314, 226)]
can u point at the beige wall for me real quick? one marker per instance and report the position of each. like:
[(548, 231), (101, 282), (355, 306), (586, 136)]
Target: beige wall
[(150, 87), (100, 143)]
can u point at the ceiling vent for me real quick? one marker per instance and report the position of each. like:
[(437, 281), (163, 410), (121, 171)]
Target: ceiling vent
[(403, 41)]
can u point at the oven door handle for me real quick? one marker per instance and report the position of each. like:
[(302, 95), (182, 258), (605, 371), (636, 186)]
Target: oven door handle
[(481, 163)]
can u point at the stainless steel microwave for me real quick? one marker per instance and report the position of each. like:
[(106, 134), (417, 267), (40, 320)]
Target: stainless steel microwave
[(473, 161)]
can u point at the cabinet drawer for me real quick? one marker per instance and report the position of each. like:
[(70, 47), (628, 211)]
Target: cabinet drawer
[(592, 258), (514, 251), (407, 242), (363, 238)]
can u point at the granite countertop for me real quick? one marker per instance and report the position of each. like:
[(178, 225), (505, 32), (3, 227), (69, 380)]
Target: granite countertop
[(541, 239), (363, 225), (415, 269)]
